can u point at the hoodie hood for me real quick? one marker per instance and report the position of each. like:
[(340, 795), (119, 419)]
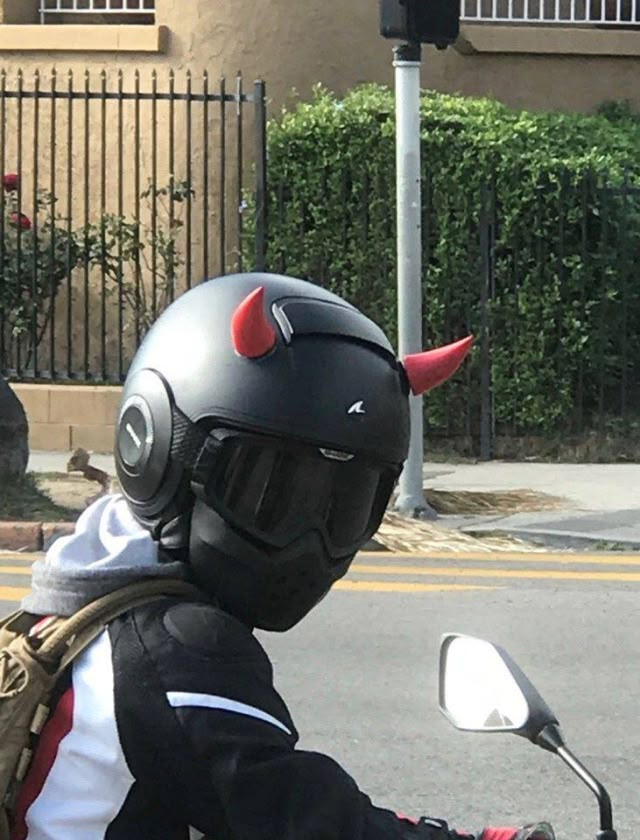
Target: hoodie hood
[(109, 549)]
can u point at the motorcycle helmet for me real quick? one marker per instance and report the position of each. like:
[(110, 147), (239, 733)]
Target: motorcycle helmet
[(263, 425)]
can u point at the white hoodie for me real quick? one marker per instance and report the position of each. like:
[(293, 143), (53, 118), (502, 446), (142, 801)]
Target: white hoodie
[(108, 550)]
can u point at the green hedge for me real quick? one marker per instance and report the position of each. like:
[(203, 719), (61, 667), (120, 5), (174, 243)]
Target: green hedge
[(551, 193)]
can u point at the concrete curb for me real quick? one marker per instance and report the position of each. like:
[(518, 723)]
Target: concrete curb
[(32, 536), (40, 536), (567, 540)]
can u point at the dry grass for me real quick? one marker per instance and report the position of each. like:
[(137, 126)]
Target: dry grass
[(466, 502), (72, 491), (397, 533), (28, 501), (56, 496)]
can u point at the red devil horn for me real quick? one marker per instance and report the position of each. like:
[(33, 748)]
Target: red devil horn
[(430, 369), (251, 333)]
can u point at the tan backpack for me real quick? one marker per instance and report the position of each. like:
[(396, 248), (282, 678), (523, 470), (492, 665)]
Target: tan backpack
[(33, 655)]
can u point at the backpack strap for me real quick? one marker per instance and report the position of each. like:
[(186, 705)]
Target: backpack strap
[(64, 639)]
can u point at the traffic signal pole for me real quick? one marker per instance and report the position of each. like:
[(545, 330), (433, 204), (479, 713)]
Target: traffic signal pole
[(411, 500), (415, 22)]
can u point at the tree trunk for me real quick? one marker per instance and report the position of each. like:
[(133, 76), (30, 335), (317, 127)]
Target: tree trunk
[(14, 435)]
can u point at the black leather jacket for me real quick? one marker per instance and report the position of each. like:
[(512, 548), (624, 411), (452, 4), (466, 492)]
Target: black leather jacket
[(170, 720)]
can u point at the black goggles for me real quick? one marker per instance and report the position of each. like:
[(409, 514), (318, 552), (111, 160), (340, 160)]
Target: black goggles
[(277, 491)]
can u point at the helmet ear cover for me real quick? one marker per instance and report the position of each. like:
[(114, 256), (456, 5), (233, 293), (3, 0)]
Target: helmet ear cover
[(155, 443)]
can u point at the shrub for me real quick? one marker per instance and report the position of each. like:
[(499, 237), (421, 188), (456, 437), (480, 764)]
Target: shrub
[(141, 261), (37, 253), (138, 261), (537, 208)]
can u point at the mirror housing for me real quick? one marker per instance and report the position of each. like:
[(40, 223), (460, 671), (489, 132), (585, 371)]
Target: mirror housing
[(483, 690)]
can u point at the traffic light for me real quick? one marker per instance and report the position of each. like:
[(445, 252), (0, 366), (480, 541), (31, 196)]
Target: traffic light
[(421, 21)]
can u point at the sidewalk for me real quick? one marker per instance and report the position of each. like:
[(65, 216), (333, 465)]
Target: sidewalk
[(602, 506), (49, 462)]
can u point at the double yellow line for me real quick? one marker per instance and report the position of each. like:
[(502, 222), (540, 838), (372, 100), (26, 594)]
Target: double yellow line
[(398, 574), (450, 571), (16, 593)]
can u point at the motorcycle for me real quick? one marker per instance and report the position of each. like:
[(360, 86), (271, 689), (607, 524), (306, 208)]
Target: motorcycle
[(483, 690)]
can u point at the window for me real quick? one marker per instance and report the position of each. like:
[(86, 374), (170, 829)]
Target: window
[(89, 11), (609, 13)]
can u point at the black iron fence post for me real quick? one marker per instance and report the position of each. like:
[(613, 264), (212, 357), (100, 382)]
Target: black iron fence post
[(260, 104), (486, 285)]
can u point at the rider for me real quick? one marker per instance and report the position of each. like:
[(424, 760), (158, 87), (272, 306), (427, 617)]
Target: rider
[(263, 424)]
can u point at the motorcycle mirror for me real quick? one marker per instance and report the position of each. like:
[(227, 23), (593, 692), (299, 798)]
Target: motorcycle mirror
[(483, 690)]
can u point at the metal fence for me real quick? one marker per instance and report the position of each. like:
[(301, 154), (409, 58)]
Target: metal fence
[(558, 12), (557, 314), (118, 194), (544, 277)]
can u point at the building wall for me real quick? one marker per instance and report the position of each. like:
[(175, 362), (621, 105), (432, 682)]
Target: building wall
[(296, 45)]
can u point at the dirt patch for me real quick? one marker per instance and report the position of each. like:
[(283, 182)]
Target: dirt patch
[(467, 502), (71, 491), (397, 533), (27, 500), (74, 491), (56, 497)]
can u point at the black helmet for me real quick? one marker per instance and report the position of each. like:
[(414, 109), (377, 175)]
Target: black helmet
[(263, 425)]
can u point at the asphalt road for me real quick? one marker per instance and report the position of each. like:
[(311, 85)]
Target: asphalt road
[(360, 677)]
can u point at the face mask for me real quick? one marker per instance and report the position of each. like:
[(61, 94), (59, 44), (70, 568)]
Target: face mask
[(272, 589)]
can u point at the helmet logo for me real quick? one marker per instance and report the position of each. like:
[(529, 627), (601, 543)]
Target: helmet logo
[(357, 408)]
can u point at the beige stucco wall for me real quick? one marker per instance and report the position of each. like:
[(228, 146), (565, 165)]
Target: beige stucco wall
[(295, 45), (299, 44)]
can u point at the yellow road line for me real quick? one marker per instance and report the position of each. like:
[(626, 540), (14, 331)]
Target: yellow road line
[(610, 559), (446, 571), (450, 571), (13, 593), (606, 559), (15, 558), (438, 555), (404, 586), (15, 570)]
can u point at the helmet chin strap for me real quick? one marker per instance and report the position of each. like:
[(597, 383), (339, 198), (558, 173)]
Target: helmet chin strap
[(173, 536)]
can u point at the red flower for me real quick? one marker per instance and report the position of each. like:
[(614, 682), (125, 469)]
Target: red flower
[(21, 221), (10, 182)]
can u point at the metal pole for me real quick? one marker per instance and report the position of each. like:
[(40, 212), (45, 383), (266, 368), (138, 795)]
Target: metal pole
[(411, 500), (261, 233)]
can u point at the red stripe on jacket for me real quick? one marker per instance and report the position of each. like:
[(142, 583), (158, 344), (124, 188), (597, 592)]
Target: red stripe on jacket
[(55, 729)]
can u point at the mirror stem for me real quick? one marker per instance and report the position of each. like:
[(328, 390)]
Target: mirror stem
[(606, 816)]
